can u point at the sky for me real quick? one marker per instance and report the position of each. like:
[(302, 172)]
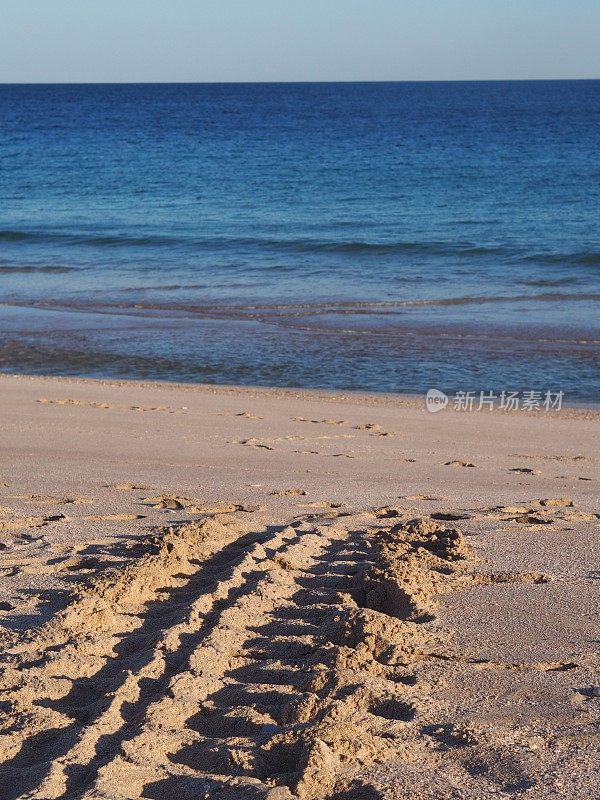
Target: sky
[(71, 41)]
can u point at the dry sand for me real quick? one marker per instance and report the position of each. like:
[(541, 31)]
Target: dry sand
[(231, 593)]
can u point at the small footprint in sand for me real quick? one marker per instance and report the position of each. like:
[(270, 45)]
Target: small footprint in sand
[(222, 508), (112, 517), (56, 565), (542, 514), (127, 487), (456, 463), (168, 503), (387, 512), (525, 471), (251, 443), (69, 402), (531, 506), (374, 429), (553, 458), (319, 421), (170, 409), (493, 578), (288, 493), (17, 522), (247, 415), (178, 503), (557, 502), (58, 501)]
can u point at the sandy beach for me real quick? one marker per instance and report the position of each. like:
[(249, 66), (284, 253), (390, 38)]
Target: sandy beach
[(213, 592)]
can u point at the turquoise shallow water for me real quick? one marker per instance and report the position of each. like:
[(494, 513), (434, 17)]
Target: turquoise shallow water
[(386, 237)]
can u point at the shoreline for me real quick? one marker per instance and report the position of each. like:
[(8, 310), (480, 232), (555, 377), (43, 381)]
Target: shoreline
[(397, 399), (369, 353)]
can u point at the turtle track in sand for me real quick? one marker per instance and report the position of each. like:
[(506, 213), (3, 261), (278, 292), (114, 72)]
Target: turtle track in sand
[(233, 663)]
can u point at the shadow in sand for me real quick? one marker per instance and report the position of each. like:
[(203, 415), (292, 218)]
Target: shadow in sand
[(358, 792)]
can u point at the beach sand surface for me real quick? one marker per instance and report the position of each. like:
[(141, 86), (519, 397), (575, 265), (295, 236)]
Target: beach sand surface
[(214, 592)]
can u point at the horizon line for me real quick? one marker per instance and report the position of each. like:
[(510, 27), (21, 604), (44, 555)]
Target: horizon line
[(294, 82)]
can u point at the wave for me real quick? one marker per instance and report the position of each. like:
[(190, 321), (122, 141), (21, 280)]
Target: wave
[(553, 297), (302, 245), (16, 236), (279, 311), (165, 287), (9, 269), (376, 306), (589, 258), (359, 247), (85, 239), (548, 282), (350, 247)]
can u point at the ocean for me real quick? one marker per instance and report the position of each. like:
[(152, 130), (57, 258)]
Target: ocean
[(387, 237)]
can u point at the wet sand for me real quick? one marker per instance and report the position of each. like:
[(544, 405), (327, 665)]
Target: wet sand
[(245, 593)]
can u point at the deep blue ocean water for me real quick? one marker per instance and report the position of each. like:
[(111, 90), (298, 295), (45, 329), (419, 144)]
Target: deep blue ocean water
[(387, 237)]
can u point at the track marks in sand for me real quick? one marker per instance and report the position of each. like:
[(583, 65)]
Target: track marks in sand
[(232, 661)]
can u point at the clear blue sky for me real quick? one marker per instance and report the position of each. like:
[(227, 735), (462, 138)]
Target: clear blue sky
[(287, 40)]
